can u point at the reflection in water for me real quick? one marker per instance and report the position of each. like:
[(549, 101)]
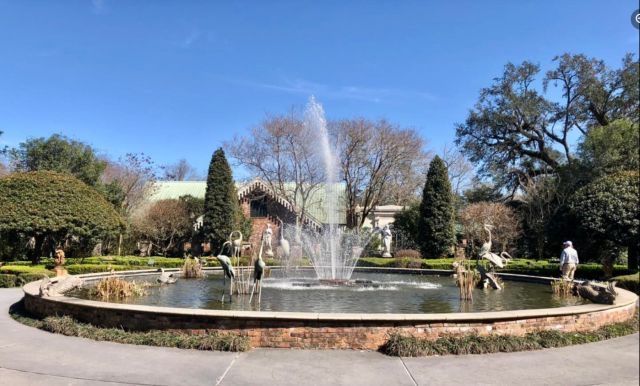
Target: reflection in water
[(381, 293)]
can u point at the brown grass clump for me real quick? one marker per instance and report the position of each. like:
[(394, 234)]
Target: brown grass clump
[(113, 287), (562, 287), (466, 279), (192, 269)]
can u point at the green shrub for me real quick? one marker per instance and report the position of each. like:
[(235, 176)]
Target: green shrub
[(68, 326), (411, 253), (399, 344), (8, 280), (408, 262), (377, 262), (628, 282)]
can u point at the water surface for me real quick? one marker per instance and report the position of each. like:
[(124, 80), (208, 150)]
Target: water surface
[(387, 293)]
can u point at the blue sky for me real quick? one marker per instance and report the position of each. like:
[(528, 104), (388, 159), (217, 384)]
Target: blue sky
[(175, 79)]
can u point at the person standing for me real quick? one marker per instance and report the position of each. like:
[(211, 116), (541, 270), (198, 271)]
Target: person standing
[(568, 261)]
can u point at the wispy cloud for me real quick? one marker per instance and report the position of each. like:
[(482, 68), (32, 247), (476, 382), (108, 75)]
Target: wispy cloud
[(191, 38), (367, 94), (99, 6)]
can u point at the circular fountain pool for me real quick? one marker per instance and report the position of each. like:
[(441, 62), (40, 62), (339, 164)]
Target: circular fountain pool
[(360, 316), (300, 291)]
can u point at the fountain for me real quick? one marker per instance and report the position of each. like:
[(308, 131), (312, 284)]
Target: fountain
[(334, 252)]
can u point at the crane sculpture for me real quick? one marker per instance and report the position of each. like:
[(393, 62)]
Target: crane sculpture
[(236, 245), (496, 260), (284, 244), (258, 271), (485, 251), (227, 268)]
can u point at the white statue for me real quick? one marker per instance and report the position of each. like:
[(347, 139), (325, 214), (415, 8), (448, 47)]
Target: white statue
[(268, 233), (386, 241)]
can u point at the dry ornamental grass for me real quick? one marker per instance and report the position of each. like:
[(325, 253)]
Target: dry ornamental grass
[(113, 287)]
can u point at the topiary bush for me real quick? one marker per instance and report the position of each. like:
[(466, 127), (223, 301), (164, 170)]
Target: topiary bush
[(408, 262), (54, 206), (411, 253)]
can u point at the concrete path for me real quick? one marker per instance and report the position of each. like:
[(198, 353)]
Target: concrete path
[(33, 357)]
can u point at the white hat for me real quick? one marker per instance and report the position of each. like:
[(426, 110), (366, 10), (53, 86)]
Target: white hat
[(569, 243)]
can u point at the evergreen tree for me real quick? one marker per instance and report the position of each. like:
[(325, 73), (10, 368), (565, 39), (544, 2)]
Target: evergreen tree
[(436, 223), (221, 210)]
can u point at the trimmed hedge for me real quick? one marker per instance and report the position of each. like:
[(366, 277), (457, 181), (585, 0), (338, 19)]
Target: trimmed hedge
[(590, 271), (628, 282), (78, 269), (25, 269), (8, 280), (157, 261)]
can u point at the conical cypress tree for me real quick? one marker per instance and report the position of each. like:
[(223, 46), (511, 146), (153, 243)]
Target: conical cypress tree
[(221, 209), (436, 224)]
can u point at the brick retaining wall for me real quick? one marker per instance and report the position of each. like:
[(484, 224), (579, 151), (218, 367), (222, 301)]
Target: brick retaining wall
[(320, 331)]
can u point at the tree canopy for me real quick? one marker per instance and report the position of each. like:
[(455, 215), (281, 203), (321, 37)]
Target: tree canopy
[(611, 148), (166, 224), (53, 205), (59, 154), (515, 132), (608, 208)]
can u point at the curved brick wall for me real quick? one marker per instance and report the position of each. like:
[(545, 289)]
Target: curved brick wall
[(323, 330)]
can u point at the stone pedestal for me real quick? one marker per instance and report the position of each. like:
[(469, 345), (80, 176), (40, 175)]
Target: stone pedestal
[(386, 254), (60, 271)]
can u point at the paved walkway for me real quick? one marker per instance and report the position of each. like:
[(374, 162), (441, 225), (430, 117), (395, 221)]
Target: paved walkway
[(29, 356)]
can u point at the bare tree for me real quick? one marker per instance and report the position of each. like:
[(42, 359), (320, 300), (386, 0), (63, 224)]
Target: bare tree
[(506, 227), (180, 171), (380, 163), (460, 170), (164, 224), (281, 151), (542, 197), (134, 175)]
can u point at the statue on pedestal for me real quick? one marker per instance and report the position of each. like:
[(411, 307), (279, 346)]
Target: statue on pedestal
[(268, 233), (59, 262), (386, 241)]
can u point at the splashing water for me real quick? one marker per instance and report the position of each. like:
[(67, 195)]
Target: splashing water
[(335, 251)]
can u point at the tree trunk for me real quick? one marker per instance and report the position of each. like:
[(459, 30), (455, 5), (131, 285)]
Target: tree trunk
[(37, 249), (632, 256), (352, 218), (120, 244)]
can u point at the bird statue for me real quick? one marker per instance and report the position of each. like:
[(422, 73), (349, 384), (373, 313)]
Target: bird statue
[(486, 247), (284, 244), (227, 267), (166, 277), (236, 245), (258, 272)]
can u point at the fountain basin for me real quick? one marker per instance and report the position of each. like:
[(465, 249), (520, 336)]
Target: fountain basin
[(331, 330)]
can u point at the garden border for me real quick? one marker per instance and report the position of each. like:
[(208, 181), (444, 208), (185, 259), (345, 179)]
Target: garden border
[(331, 330)]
